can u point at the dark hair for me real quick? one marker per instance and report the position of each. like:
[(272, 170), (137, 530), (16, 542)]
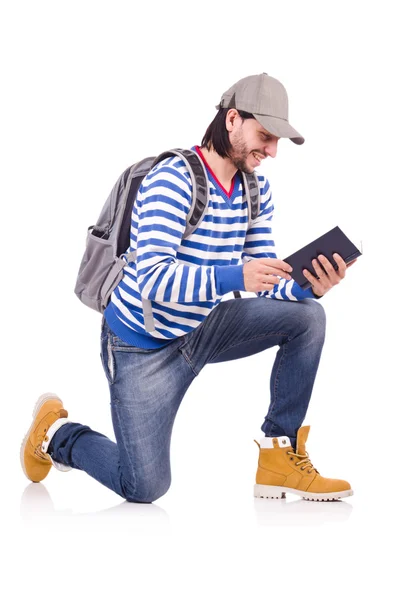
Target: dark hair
[(217, 136)]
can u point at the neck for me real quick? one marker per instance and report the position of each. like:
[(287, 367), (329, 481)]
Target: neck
[(223, 168)]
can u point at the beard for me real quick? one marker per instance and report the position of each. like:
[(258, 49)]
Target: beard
[(239, 155)]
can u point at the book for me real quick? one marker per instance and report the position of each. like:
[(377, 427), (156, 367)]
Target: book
[(334, 241)]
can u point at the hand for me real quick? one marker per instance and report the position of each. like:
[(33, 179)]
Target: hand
[(260, 274), (326, 280)]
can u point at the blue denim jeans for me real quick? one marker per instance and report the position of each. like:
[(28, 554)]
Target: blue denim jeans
[(147, 387)]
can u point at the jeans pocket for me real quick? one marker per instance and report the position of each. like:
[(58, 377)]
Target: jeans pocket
[(107, 359), (185, 350)]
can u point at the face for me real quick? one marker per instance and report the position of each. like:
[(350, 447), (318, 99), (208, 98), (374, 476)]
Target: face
[(251, 143)]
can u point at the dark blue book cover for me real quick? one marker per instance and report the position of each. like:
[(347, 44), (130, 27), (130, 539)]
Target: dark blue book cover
[(334, 241)]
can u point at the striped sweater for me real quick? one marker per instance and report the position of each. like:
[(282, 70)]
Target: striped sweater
[(186, 279)]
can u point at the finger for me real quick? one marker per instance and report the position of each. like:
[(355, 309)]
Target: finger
[(316, 284), (327, 266), (277, 263), (266, 270), (317, 267), (309, 276), (341, 265), (333, 275), (285, 266), (272, 279)]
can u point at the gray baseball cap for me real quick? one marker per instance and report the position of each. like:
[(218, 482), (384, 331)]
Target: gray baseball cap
[(266, 98)]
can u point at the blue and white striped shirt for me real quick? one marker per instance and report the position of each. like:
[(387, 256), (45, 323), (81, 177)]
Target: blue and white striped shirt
[(185, 279)]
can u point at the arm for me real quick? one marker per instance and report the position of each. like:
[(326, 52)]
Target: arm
[(259, 244), (161, 211)]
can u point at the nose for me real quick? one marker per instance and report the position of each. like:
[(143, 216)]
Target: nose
[(271, 148)]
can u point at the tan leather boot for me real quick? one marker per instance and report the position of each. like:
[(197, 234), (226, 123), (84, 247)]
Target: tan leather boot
[(48, 416), (281, 470)]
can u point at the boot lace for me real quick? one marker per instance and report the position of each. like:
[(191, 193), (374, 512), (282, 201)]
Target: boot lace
[(304, 462), (38, 450)]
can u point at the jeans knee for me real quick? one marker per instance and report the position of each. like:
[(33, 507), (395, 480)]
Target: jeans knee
[(319, 312), (147, 496), (313, 317), (146, 490)]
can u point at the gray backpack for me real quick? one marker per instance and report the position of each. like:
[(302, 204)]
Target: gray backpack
[(108, 242)]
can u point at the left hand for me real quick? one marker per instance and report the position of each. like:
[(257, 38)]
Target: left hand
[(326, 280)]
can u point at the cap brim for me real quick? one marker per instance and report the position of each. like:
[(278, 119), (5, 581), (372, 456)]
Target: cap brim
[(279, 128)]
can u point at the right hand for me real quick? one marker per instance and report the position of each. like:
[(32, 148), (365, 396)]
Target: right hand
[(260, 274)]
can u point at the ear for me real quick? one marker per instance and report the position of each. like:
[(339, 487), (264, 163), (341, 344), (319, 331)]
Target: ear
[(231, 119)]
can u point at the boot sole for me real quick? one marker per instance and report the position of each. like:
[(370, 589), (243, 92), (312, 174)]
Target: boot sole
[(42, 400), (276, 492)]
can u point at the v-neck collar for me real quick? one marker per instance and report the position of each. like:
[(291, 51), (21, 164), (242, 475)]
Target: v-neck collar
[(214, 177)]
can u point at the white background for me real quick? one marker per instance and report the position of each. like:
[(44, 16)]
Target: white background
[(88, 88)]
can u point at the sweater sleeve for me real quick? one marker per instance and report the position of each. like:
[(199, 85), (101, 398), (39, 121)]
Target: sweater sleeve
[(259, 244), (162, 206)]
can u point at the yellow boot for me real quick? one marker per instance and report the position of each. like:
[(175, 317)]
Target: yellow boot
[(48, 415), (282, 470)]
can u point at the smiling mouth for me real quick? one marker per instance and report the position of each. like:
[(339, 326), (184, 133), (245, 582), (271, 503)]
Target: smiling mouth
[(258, 157)]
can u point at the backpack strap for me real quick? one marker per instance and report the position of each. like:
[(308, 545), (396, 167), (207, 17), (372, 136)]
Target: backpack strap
[(198, 176), (251, 188)]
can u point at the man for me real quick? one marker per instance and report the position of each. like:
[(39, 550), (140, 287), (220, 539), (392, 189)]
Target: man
[(149, 372)]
